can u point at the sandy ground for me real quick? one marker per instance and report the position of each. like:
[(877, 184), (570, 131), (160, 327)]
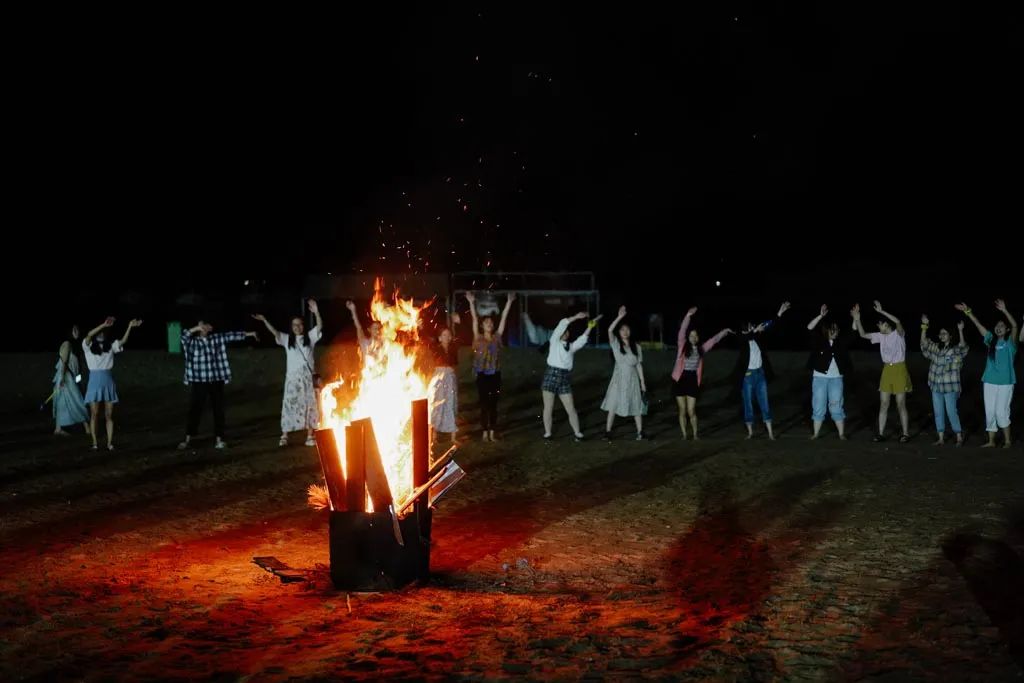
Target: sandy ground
[(715, 560)]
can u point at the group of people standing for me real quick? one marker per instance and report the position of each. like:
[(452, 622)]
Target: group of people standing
[(829, 363), (207, 371)]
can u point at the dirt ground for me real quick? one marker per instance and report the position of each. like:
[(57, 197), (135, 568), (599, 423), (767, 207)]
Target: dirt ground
[(717, 560)]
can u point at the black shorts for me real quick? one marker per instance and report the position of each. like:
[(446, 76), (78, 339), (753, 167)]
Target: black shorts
[(686, 385)]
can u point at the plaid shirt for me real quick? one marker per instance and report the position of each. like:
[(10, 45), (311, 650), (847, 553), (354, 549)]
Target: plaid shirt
[(944, 372), (206, 358)]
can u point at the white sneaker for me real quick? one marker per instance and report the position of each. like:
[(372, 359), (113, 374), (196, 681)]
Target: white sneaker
[(183, 445), (310, 442), (220, 445)]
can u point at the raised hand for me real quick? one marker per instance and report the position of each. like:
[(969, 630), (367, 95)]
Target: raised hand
[(878, 306), (824, 310), (692, 311), (259, 316), (312, 305), (351, 306), (924, 319)]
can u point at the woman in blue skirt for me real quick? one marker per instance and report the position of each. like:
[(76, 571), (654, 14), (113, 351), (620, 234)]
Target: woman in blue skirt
[(99, 356)]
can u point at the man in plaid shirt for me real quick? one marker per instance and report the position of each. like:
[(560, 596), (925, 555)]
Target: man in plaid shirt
[(207, 371)]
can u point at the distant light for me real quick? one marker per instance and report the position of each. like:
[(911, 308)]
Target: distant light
[(246, 283), (718, 283)]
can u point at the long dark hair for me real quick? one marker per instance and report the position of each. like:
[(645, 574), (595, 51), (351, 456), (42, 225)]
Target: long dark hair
[(992, 347), (292, 337), (688, 348), (623, 345), (100, 347)]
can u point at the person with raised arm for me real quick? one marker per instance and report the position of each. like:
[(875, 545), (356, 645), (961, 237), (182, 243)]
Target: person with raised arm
[(556, 376), (487, 347), (206, 372), (100, 349), (300, 407), (627, 388), (895, 380), (829, 363), (946, 361), (754, 370), (369, 343), (688, 372), (1000, 377)]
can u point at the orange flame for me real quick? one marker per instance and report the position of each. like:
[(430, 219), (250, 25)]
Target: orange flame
[(388, 383)]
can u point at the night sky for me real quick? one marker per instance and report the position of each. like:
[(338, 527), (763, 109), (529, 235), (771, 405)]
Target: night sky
[(764, 145)]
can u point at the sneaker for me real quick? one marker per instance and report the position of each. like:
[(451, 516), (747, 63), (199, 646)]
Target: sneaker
[(904, 438), (547, 438), (283, 441), (220, 445), (607, 436), (640, 436), (578, 437), (878, 438), (183, 445), (310, 441)]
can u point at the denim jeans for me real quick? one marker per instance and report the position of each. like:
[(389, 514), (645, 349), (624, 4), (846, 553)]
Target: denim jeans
[(827, 392), (754, 384), (944, 405)]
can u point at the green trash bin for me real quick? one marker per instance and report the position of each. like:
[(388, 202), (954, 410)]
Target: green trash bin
[(174, 337)]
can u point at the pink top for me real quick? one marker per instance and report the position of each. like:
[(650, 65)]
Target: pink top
[(677, 371), (893, 346)]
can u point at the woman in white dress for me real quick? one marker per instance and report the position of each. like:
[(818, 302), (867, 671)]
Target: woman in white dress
[(625, 395), (443, 391), (300, 408)]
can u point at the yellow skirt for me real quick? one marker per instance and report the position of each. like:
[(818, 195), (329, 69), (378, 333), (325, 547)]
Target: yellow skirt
[(895, 379)]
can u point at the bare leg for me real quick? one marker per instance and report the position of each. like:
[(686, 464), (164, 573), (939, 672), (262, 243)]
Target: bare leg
[(691, 411), (771, 434), (610, 421), (883, 411), (639, 424), (840, 427), (1007, 440), (109, 409), (681, 402), (570, 409), (750, 430), (991, 443), (549, 409), (94, 415), (901, 408), (817, 428)]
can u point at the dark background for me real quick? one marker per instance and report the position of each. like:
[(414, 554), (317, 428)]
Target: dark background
[(815, 153)]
